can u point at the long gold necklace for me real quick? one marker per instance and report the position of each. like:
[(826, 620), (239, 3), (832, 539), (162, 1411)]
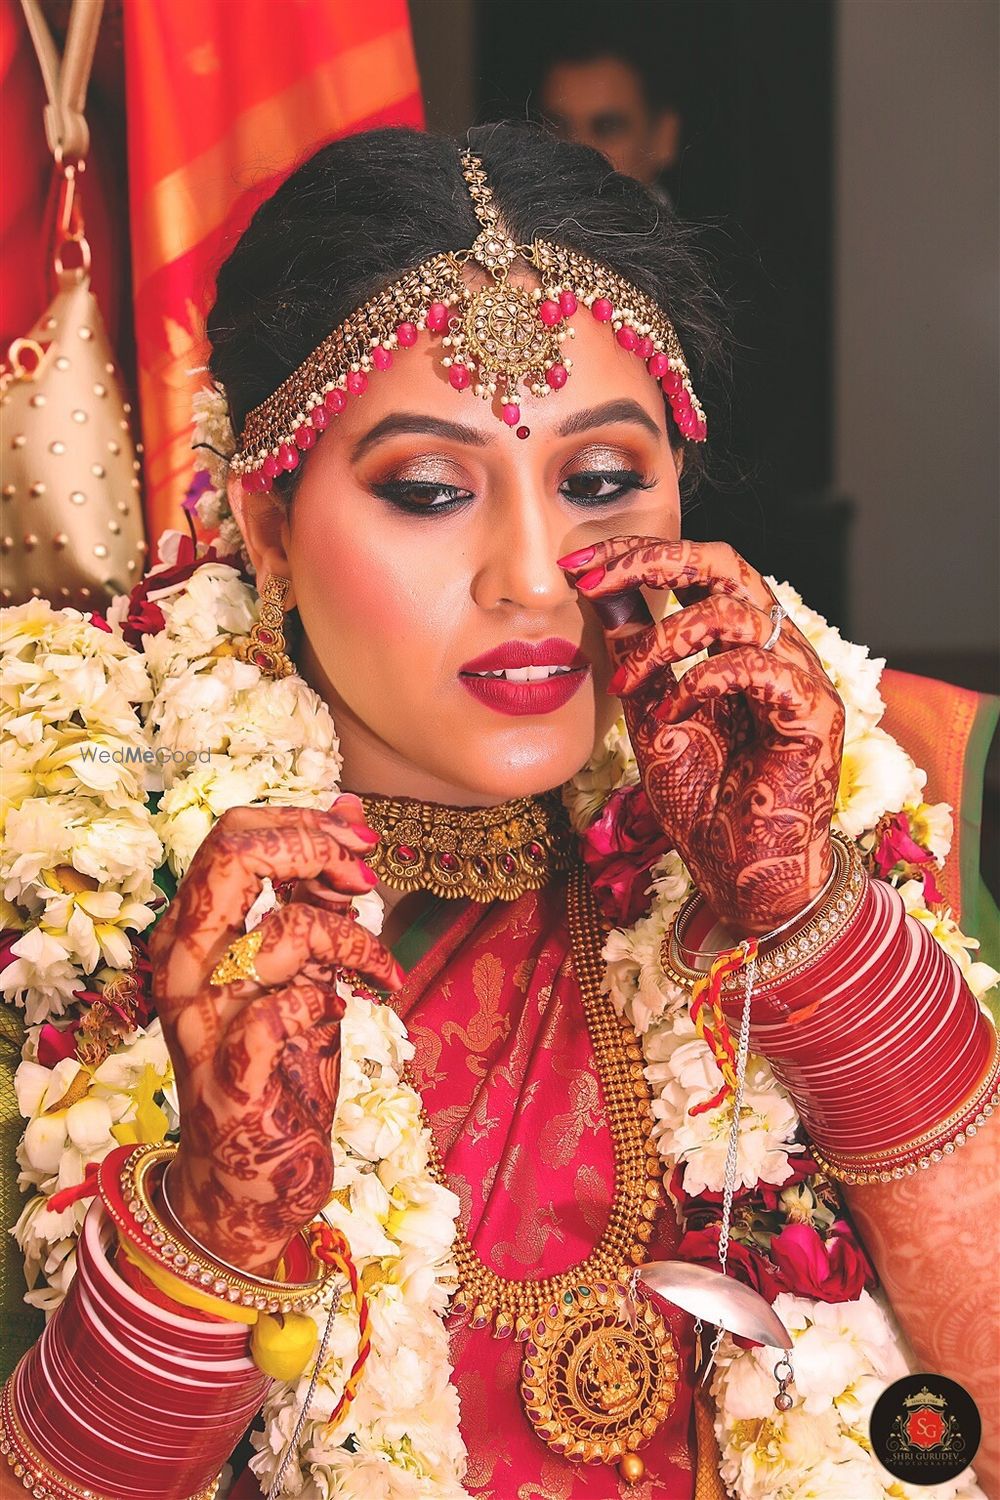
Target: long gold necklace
[(599, 1370), (479, 853)]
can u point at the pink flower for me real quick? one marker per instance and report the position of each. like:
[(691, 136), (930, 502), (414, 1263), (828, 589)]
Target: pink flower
[(832, 1270), (619, 849), (54, 1046), (899, 852), (100, 622)]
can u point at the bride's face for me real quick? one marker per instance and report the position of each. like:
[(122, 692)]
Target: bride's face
[(422, 545)]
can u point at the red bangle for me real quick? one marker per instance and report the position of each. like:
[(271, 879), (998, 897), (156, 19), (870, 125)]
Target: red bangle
[(896, 1060), (868, 1025), (127, 1399)]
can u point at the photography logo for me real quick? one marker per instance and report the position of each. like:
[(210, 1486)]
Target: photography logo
[(925, 1429)]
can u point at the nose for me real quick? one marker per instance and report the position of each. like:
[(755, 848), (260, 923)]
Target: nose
[(519, 542)]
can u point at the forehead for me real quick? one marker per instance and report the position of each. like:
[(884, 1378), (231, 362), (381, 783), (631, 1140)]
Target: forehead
[(592, 86)]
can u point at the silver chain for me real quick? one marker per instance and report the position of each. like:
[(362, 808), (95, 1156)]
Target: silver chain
[(293, 1441), (733, 1147)]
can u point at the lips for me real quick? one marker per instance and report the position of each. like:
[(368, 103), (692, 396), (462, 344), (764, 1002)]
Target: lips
[(541, 695)]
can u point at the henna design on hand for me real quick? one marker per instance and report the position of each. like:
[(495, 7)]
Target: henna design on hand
[(257, 1065), (740, 758)]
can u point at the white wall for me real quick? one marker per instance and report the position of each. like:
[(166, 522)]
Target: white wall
[(916, 318)]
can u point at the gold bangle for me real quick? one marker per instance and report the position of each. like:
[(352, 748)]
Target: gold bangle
[(795, 953), (925, 1150), (168, 1245)]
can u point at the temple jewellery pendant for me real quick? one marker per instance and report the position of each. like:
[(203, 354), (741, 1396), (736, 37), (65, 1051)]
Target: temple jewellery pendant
[(729, 1305)]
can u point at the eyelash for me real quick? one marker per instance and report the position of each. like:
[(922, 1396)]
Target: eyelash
[(395, 490)]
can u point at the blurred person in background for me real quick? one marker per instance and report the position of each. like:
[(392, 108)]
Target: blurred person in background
[(599, 91)]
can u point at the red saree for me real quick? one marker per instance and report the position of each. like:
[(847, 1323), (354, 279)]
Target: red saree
[(506, 1069)]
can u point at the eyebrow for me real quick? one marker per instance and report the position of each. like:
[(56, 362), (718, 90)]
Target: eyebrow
[(414, 421), (622, 410)]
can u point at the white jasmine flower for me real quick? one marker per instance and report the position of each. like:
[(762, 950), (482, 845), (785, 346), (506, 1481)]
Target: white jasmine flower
[(876, 776), (980, 977)]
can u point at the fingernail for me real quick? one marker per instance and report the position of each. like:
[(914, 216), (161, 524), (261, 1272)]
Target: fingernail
[(592, 579), (368, 833), (371, 879), (617, 681), (576, 559)]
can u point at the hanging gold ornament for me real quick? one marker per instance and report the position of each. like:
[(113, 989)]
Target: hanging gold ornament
[(596, 1383)]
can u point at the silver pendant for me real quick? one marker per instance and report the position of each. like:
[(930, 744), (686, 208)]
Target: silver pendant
[(717, 1299)]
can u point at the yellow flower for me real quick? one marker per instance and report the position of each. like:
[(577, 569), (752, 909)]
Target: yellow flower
[(149, 1123)]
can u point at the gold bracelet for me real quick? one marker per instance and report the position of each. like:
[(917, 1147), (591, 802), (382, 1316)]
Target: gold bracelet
[(169, 1245), (925, 1150), (801, 948)]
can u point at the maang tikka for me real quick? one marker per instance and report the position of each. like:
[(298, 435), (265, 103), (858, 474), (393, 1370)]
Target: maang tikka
[(496, 338)]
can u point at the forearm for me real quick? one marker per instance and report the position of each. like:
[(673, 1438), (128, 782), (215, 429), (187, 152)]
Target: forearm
[(126, 1398), (893, 1065), (932, 1237)]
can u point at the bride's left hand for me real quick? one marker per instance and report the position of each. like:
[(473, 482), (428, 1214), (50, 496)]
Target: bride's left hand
[(740, 758)]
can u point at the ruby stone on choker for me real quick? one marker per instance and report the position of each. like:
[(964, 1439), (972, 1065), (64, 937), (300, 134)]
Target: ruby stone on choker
[(472, 853), (495, 338)]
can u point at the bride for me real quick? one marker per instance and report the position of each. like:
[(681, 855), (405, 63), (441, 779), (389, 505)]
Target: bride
[(464, 388)]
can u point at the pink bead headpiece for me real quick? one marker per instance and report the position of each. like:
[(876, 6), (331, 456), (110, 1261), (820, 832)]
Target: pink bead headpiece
[(495, 339)]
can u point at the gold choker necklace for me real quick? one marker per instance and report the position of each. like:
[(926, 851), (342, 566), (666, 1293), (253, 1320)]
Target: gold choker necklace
[(480, 853)]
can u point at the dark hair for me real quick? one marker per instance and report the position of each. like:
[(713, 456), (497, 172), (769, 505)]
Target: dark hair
[(363, 210)]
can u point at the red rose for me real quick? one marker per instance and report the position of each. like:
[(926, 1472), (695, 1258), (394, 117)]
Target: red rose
[(749, 1266), (619, 849), (832, 1270)]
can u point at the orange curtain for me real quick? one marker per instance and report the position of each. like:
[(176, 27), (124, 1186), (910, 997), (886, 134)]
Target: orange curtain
[(223, 98)]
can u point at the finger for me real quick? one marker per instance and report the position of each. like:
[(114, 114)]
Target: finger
[(718, 619), (309, 1066), (226, 874), (346, 815), (657, 564), (318, 893), (300, 934), (797, 702), (253, 1041)]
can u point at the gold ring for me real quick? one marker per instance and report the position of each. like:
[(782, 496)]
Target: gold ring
[(237, 962)]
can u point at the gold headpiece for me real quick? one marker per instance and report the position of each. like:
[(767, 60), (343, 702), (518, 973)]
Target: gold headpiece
[(495, 338)]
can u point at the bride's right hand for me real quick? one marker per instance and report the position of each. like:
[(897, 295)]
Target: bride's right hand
[(257, 1064)]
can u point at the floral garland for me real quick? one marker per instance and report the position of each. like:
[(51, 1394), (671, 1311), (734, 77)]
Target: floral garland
[(100, 712)]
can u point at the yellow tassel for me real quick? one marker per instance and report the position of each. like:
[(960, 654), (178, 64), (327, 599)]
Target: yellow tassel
[(281, 1344)]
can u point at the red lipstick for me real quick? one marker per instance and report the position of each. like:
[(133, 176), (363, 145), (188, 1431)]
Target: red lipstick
[(526, 693)]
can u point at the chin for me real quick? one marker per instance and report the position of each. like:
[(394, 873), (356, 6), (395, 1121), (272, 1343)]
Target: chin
[(523, 764)]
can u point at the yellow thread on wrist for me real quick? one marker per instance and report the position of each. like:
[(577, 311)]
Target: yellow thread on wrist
[(183, 1292)]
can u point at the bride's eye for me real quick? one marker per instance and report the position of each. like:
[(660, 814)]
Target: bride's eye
[(603, 486), (422, 496)]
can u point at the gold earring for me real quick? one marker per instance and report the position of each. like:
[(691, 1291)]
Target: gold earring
[(265, 645)]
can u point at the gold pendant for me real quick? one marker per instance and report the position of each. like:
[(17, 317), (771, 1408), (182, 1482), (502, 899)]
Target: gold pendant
[(594, 1386)]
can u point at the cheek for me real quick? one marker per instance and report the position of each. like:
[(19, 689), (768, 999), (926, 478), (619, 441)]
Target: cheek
[(372, 594)]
